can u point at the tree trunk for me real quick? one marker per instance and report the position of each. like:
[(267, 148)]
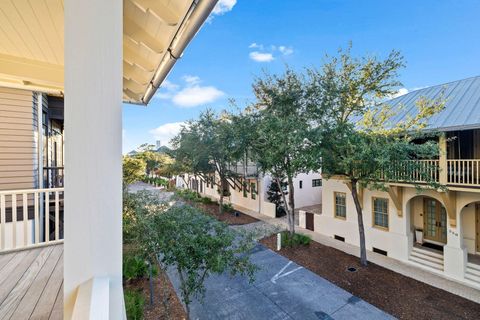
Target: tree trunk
[(220, 204), (291, 196), (291, 227), (186, 296), (361, 228)]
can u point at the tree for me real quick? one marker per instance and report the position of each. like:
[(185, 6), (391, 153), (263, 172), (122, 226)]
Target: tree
[(207, 146), (282, 147), (275, 196), (190, 154), (196, 245), (357, 138), (133, 170), (154, 160)]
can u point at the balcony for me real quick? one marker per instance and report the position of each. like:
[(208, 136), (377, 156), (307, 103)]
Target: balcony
[(31, 254), (453, 172)]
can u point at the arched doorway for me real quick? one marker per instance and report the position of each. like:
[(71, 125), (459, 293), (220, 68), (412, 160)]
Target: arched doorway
[(434, 221), (470, 220), (428, 220)]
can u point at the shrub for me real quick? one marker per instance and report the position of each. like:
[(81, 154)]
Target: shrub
[(227, 207), (134, 302), (296, 240), (134, 267), (206, 200)]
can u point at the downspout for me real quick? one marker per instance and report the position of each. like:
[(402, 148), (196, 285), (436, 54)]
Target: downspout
[(194, 19)]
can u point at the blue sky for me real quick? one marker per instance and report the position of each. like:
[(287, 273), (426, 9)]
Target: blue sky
[(438, 38)]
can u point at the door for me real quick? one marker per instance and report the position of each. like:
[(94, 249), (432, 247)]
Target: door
[(477, 230), (434, 221), (309, 221)]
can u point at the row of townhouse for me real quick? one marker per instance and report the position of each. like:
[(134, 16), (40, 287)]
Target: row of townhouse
[(435, 230), (249, 190)]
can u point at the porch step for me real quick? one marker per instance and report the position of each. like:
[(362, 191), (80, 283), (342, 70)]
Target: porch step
[(472, 275), (427, 253), (427, 258), (473, 266)]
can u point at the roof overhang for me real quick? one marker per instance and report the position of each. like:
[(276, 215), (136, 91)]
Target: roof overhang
[(155, 34)]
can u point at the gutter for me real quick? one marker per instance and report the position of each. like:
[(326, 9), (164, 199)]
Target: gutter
[(191, 24)]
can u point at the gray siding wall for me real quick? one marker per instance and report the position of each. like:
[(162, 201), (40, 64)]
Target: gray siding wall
[(18, 147)]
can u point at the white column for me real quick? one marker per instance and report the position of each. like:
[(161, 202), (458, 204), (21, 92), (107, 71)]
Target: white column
[(454, 253), (93, 134)]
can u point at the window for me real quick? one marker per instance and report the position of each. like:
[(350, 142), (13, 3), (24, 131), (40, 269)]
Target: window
[(253, 189), (300, 184), (380, 212), (340, 205), (316, 182)]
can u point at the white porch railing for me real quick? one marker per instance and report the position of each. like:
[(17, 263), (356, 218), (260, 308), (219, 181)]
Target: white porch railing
[(419, 171), (465, 172), (30, 217)]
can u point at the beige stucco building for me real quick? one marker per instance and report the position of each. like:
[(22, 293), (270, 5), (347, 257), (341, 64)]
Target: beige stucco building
[(435, 230)]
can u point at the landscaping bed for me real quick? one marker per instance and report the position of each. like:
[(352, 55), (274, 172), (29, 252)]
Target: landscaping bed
[(401, 296), (228, 216), (157, 310), (210, 207)]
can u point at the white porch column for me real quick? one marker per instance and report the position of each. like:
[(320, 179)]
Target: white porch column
[(93, 134), (454, 254)]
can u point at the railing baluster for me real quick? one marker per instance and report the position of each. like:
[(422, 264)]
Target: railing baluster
[(25, 219), (2, 221), (36, 218), (57, 217), (14, 220), (47, 216)]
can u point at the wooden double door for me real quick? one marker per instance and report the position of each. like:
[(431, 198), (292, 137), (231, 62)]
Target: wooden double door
[(477, 226), (434, 221)]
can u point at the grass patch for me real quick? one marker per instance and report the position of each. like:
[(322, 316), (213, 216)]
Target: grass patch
[(296, 240), (134, 303)]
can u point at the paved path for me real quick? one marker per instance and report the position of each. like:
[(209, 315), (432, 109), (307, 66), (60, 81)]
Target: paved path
[(409, 270), (282, 290)]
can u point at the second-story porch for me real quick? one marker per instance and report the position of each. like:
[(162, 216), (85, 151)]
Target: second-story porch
[(457, 167)]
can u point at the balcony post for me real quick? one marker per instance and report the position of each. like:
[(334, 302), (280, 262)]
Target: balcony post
[(93, 150), (442, 163)]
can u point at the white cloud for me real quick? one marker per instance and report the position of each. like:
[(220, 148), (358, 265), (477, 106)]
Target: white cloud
[(268, 53), (286, 51), (196, 95), (169, 85), (163, 95), (256, 46), (400, 92), (223, 6), (190, 95), (261, 56), (166, 132), (191, 80)]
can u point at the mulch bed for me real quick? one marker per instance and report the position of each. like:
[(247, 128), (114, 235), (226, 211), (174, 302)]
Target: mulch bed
[(401, 296), (227, 217), (157, 310)]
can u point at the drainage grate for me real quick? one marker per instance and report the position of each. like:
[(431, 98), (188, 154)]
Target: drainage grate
[(352, 269)]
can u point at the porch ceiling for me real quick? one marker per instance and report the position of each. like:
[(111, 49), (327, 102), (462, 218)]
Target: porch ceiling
[(155, 32)]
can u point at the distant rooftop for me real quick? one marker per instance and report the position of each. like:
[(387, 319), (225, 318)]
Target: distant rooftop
[(462, 107)]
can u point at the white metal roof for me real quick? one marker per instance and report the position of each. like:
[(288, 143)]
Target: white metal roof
[(155, 33)]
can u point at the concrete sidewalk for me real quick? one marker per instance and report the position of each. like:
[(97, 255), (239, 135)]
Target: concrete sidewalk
[(281, 290), (400, 267)]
